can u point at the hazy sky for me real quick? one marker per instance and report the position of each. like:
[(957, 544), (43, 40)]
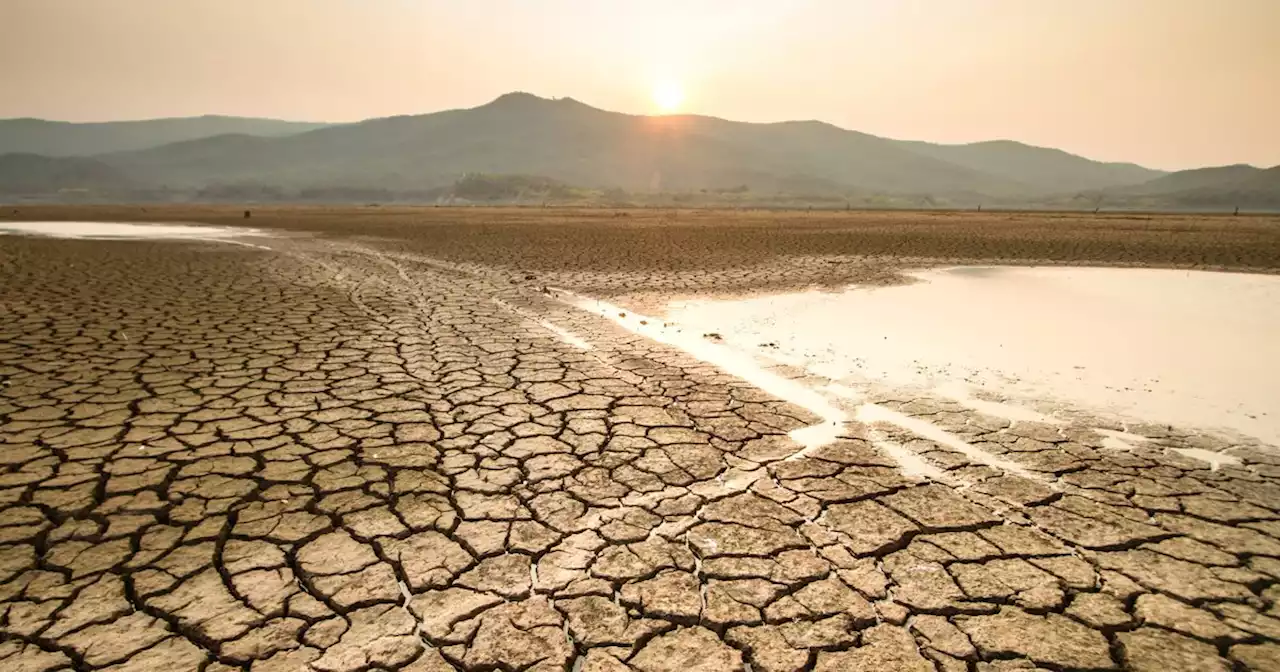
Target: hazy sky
[(1165, 83)]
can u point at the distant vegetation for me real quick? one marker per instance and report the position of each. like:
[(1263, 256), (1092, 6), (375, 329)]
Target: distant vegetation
[(490, 188), (523, 149)]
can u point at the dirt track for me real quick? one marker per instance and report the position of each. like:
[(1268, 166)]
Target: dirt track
[(368, 448)]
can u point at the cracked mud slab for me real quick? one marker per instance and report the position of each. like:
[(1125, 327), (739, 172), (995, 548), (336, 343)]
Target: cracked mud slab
[(339, 455)]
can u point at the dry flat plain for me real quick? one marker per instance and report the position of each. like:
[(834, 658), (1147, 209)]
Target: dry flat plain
[(381, 439)]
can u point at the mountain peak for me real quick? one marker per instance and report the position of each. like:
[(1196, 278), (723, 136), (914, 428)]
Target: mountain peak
[(516, 98), (521, 100)]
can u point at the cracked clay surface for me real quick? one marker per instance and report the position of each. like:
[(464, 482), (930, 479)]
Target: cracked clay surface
[(325, 456)]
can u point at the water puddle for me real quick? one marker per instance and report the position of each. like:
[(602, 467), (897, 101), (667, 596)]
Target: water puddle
[(1189, 348), (1037, 345), (131, 231)]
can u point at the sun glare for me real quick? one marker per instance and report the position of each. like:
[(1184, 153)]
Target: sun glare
[(667, 96)]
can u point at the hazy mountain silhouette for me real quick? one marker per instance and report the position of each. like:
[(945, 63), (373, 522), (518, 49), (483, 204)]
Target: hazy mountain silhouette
[(1222, 186), (61, 138), (1218, 177), (27, 173), (560, 139), (572, 142), (1040, 168), (560, 145)]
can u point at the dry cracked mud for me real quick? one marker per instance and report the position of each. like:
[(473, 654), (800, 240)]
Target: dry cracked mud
[(331, 455)]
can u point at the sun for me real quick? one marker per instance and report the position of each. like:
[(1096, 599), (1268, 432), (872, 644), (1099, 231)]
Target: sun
[(668, 95)]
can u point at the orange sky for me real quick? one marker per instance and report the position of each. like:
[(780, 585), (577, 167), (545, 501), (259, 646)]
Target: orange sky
[(1166, 83)]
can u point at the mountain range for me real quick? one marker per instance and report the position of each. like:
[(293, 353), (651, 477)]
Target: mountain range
[(62, 138), (586, 151)]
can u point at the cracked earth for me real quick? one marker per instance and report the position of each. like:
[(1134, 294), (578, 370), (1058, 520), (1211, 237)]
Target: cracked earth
[(326, 455)]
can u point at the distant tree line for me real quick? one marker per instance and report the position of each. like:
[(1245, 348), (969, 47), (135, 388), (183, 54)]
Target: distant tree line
[(24, 178), (497, 187)]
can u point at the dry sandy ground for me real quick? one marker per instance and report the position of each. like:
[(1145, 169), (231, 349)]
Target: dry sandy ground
[(378, 444)]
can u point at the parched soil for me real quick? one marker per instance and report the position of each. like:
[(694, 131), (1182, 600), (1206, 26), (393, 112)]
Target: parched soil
[(610, 251), (375, 446)]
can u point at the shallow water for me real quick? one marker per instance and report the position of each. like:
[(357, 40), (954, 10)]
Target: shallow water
[(124, 230), (1192, 349)]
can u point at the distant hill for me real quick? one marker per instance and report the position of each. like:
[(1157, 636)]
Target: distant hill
[(521, 147), (1199, 178), (576, 144), (32, 173), (1218, 187), (1040, 168), (61, 138)]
